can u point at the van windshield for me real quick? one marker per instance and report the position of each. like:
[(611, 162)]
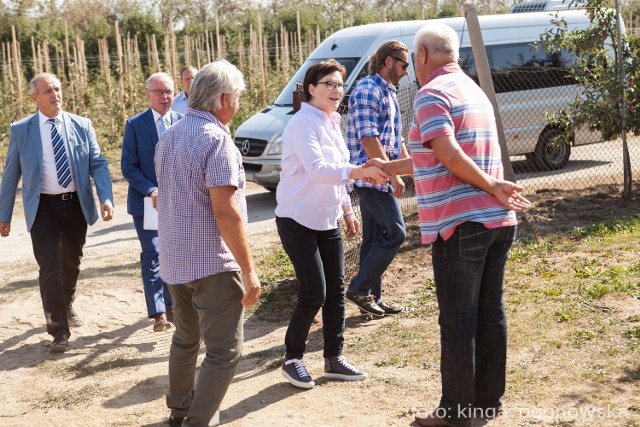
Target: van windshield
[(285, 99)]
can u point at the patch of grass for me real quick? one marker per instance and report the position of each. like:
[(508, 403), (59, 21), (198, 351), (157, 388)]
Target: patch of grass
[(93, 363), (277, 278), (66, 399), (633, 333), (272, 355), (601, 231), (578, 338)]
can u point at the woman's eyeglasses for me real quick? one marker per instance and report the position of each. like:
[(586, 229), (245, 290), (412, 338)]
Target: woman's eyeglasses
[(332, 85), (405, 64)]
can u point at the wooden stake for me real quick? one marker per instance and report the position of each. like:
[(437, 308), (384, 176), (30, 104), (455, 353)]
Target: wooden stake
[(18, 70)]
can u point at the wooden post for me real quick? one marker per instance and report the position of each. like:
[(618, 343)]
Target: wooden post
[(123, 105), (18, 70), (208, 47), (156, 56), (486, 82), (218, 46), (70, 68), (300, 58), (263, 79), (34, 56)]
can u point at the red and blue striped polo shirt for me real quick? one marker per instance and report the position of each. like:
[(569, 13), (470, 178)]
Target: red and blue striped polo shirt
[(451, 104)]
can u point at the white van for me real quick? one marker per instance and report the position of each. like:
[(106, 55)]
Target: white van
[(528, 83), (542, 5)]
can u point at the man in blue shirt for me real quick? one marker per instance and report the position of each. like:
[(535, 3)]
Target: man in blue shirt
[(374, 130), (181, 101)]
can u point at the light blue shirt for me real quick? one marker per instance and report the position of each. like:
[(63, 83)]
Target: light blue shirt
[(180, 103)]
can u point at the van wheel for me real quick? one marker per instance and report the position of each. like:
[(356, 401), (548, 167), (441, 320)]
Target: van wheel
[(553, 150)]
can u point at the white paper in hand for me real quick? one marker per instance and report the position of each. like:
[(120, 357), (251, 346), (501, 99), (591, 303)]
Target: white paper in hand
[(150, 220)]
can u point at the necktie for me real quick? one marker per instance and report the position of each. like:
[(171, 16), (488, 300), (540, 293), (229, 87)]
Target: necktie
[(60, 155), (161, 126)]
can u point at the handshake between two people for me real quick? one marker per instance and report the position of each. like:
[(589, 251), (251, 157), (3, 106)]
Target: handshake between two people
[(508, 193)]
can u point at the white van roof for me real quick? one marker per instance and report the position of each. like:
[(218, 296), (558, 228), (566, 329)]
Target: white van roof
[(356, 41), (541, 5)]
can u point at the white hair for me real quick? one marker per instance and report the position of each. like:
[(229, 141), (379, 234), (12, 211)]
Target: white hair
[(438, 39), (211, 82), (159, 75), (42, 76)]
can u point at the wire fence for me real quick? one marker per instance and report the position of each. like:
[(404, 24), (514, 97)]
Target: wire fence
[(540, 158)]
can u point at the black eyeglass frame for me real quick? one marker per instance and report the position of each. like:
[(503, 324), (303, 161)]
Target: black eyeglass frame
[(405, 64)]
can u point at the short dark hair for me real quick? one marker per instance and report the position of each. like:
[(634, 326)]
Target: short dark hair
[(318, 71), (390, 48)]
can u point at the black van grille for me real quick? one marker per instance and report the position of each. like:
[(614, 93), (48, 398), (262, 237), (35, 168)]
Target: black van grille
[(250, 147)]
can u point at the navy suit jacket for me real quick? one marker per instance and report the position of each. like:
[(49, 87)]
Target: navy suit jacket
[(24, 159), (137, 163)]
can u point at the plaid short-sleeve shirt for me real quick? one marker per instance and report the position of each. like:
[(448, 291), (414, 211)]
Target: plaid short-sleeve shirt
[(370, 115), (195, 154)]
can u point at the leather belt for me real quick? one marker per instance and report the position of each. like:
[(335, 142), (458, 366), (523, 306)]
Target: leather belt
[(61, 196)]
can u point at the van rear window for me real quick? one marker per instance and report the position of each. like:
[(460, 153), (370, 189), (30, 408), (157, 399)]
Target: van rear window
[(519, 66)]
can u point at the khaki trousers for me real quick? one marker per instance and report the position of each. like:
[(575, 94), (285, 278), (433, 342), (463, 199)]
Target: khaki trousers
[(209, 309)]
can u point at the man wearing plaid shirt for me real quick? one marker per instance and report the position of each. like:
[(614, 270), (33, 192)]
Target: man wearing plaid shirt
[(374, 130), (204, 255)]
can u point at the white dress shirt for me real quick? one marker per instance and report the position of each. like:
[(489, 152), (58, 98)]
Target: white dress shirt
[(49, 173), (315, 169)]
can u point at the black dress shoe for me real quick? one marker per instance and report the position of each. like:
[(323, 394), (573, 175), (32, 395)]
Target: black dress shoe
[(60, 344)]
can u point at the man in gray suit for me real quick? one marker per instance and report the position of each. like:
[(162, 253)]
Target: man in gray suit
[(141, 134), (55, 153)]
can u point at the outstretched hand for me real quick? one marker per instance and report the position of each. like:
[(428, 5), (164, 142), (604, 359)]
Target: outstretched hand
[(509, 194), (374, 175)]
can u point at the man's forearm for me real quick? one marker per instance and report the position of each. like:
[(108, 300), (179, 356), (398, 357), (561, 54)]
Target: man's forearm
[(373, 148)]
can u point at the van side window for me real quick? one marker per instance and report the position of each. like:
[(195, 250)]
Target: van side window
[(344, 105), (519, 66)]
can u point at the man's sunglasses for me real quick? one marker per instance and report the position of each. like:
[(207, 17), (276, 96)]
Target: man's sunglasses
[(405, 64)]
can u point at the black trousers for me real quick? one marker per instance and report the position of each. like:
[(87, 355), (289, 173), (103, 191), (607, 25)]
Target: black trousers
[(58, 236), (318, 259)]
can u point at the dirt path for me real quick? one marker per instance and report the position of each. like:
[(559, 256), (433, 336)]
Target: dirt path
[(116, 372)]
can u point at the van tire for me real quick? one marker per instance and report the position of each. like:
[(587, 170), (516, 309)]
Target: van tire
[(552, 151)]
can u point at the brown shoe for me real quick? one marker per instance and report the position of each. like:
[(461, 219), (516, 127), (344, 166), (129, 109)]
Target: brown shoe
[(365, 302), (160, 323), (389, 309), (427, 419), (170, 316)]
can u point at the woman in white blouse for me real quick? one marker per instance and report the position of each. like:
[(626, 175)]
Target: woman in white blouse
[(311, 199)]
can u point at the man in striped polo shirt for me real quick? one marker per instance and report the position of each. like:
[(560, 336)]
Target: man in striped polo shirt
[(466, 212)]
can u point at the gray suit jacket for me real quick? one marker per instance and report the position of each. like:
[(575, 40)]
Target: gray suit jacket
[(24, 159)]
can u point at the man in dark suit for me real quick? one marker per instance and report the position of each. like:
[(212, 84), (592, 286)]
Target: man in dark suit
[(141, 134), (55, 153)]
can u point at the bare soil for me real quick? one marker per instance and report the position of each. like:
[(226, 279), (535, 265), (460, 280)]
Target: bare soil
[(116, 372)]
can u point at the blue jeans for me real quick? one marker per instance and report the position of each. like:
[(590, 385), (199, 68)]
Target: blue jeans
[(469, 275), (383, 232), (156, 293), (318, 259)]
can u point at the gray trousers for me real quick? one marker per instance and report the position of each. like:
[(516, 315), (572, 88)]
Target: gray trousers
[(209, 309)]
